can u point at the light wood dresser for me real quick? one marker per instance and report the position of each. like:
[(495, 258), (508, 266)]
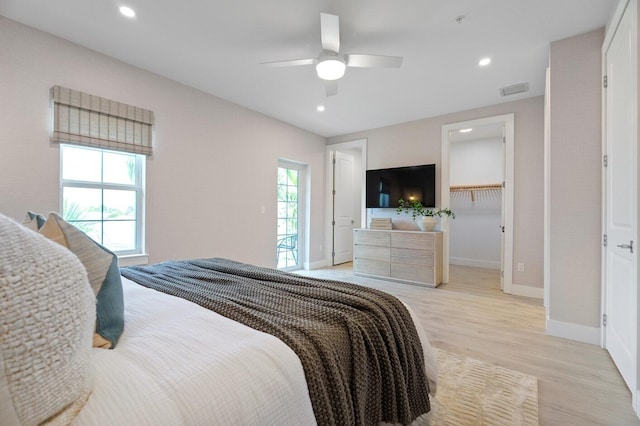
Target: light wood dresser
[(413, 257)]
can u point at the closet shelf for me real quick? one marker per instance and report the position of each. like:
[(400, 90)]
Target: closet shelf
[(473, 188)]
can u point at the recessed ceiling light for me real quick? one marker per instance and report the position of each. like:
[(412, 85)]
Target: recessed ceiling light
[(484, 62), (127, 11), (320, 108), (465, 130)]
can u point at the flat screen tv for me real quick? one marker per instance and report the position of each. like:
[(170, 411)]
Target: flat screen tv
[(386, 186)]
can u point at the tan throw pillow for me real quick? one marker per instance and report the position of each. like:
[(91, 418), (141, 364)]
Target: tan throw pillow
[(46, 329), (104, 277)]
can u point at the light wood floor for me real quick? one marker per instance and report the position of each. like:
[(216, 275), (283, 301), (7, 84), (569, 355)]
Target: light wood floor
[(578, 383)]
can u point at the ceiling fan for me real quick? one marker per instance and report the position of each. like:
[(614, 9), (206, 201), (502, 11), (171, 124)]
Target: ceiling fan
[(330, 65)]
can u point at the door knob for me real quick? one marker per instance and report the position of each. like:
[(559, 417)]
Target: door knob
[(627, 246)]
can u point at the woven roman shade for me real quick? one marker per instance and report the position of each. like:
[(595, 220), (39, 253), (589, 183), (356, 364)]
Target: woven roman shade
[(83, 119)]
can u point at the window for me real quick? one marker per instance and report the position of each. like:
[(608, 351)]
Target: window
[(102, 193), (290, 215)]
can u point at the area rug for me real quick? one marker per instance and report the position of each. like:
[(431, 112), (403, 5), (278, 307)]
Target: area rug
[(472, 392)]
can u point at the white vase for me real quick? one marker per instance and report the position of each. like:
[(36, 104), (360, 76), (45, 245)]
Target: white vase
[(442, 221), (427, 223)]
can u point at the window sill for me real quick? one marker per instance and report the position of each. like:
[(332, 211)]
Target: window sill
[(133, 259)]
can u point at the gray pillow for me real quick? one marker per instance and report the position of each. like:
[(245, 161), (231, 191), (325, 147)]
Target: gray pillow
[(104, 277), (34, 221)]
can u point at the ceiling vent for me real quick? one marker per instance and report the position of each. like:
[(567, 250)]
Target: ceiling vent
[(516, 88)]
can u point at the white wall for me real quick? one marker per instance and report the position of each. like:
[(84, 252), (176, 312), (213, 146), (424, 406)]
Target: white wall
[(476, 162), (475, 235), (575, 181), (214, 162), (420, 142)]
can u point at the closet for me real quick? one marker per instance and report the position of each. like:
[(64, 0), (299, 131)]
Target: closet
[(476, 176)]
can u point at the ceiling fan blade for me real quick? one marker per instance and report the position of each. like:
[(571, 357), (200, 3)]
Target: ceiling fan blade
[(373, 61), (330, 32), (331, 88), (291, 63)]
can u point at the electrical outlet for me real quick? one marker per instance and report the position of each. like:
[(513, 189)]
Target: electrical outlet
[(520, 267)]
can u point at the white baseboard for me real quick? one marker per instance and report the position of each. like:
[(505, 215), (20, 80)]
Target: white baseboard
[(527, 291), (580, 333), (478, 263)]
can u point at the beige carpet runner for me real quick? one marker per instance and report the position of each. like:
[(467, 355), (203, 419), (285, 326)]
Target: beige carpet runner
[(471, 392)]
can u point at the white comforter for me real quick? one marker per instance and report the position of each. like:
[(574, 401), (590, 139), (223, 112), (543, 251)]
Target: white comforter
[(177, 363)]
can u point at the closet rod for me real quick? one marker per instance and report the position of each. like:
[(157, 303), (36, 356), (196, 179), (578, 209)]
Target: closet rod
[(473, 188), (476, 187)]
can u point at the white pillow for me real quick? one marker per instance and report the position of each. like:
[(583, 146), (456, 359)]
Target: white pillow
[(47, 315)]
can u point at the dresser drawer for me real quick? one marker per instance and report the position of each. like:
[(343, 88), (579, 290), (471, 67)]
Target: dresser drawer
[(371, 252), (373, 267), (422, 274), (410, 256), (413, 240), (372, 238), (407, 256)]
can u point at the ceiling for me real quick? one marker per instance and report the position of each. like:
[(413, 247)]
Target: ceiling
[(218, 46)]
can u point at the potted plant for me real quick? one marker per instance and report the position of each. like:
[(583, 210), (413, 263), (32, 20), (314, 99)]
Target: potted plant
[(424, 217)]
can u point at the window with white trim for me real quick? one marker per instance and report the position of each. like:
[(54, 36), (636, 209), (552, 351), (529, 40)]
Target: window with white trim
[(102, 193)]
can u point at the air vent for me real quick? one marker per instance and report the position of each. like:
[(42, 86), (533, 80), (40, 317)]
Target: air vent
[(516, 88)]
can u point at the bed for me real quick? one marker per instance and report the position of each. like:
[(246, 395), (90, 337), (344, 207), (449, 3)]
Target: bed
[(177, 362)]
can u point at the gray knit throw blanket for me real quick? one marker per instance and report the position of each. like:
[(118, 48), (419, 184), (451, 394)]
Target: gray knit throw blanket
[(359, 348)]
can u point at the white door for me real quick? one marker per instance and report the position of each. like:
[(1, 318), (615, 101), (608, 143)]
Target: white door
[(621, 307), (343, 207), (503, 205)]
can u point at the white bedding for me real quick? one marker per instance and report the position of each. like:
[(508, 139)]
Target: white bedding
[(177, 363)]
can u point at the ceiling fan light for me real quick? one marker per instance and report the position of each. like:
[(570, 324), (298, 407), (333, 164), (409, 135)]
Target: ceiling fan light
[(330, 69)]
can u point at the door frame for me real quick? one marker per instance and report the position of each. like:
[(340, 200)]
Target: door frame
[(445, 196), (610, 33), (358, 144)]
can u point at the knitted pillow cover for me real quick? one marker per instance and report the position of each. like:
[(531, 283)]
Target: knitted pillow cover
[(46, 329)]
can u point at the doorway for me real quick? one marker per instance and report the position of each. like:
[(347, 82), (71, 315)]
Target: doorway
[(476, 173), (290, 214), (346, 171), (502, 128)]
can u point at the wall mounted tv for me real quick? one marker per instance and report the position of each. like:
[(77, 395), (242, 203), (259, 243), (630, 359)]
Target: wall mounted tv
[(386, 186)]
